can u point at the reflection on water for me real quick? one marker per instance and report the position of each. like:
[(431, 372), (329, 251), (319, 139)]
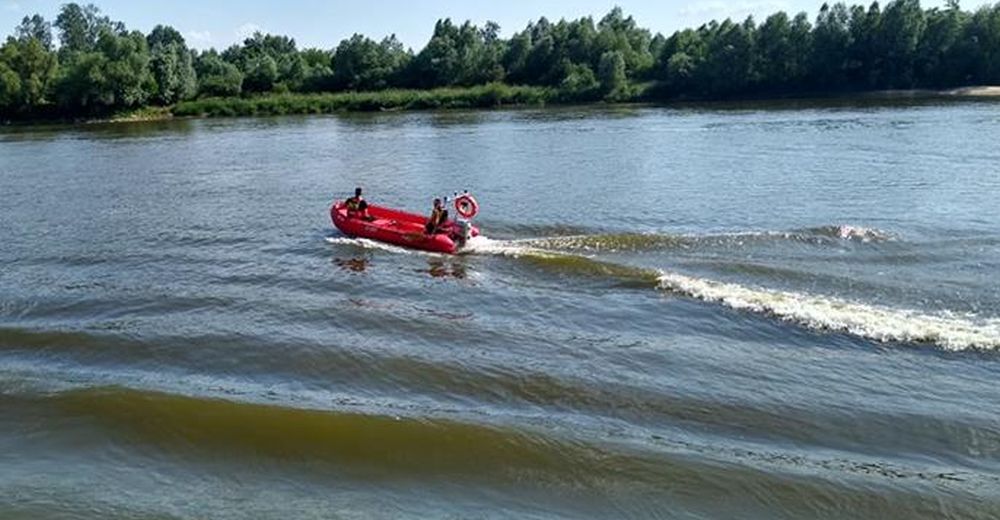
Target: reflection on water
[(354, 265), (446, 269)]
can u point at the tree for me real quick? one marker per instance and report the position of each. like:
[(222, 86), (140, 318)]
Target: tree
[(171, 66), (621, 34), (318, 74), (774, 52), (35, 27), (80, 27), (679, 59), (611, 73), (727, 68), (831, 39), (114, 75), (100, 66), (216, 77), (261, 74), (983, 45), (801, 42), (360, 63), (261, 53), (438, 63), (516, 56), (29, 69), (940, 60), (580, 82), (10, 90), (164, 35), (902, 27)]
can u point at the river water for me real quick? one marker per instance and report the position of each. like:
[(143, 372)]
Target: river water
[(723, 312)]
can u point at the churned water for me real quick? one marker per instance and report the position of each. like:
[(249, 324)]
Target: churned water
[(750, 312)]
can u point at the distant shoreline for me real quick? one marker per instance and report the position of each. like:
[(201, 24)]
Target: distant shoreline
[(979, 91), (488, 97), (984, 91)]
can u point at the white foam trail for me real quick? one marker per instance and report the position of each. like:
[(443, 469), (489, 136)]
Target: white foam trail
[(513, 248), (825, 313), (861, 233), (369, 244), (628, 241)]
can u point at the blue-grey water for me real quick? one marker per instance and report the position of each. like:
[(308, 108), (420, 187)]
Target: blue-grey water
[(751, 312)]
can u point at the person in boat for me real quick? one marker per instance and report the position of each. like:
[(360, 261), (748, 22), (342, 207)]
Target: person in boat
[(438, 217), (357, 207)]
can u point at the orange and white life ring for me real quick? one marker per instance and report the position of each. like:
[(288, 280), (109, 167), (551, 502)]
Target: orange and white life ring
[(466, 206)]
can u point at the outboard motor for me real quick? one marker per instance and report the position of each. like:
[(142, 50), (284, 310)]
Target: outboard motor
[(464, 230)]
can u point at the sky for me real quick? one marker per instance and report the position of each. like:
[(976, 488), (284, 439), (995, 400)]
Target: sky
[(316, 23)]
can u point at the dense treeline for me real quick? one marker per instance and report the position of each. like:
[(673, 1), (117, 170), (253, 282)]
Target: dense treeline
[(99, 66)]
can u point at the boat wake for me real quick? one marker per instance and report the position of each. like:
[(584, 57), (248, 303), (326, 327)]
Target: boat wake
[(620, 242), (878, 323), (366, 243), (885, 324)]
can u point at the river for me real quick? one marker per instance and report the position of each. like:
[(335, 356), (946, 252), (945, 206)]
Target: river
[(746, 311)]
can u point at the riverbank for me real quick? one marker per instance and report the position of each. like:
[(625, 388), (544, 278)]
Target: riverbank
[(484, 96), (981, 92), (490, 96), (499, 95)]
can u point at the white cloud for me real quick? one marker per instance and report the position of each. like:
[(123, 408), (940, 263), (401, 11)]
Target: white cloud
[(199, 39), (246, 30), (11, 5)]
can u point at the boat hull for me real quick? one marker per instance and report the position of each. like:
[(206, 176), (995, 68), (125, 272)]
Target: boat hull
[(398, 228)]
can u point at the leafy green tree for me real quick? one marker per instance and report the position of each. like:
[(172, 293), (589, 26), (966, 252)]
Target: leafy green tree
[(941, 60), (656, 46), (164, 36), (261, 74), (114, 75), (171, 65), (10, 90), (580, 82), (541, 61), (611, 73), (775, 51), (360, 63), (618, 33), (902, 27), (29, 69), (216, 77), (831, 39), (516, 56), (678, 61), (983, 45), (81, 27), (256, 56), (99, 66), (727, 68), (458, 55), (318, 72), (35, 27), (801, 41)]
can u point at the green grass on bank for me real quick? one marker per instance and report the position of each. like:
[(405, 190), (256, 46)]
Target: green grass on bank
[(484, 96)]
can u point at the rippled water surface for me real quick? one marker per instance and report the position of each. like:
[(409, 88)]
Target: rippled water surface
[(674, 313)]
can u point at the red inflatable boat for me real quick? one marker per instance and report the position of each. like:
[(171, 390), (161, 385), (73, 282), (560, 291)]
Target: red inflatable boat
[(402, 229)]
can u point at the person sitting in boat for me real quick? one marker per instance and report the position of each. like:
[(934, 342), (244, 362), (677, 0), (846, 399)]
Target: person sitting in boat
[(357, 207), (438, 217)]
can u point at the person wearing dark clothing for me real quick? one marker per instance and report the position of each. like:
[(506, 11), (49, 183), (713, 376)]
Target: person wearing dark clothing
[(357, 206), (438, 217)]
